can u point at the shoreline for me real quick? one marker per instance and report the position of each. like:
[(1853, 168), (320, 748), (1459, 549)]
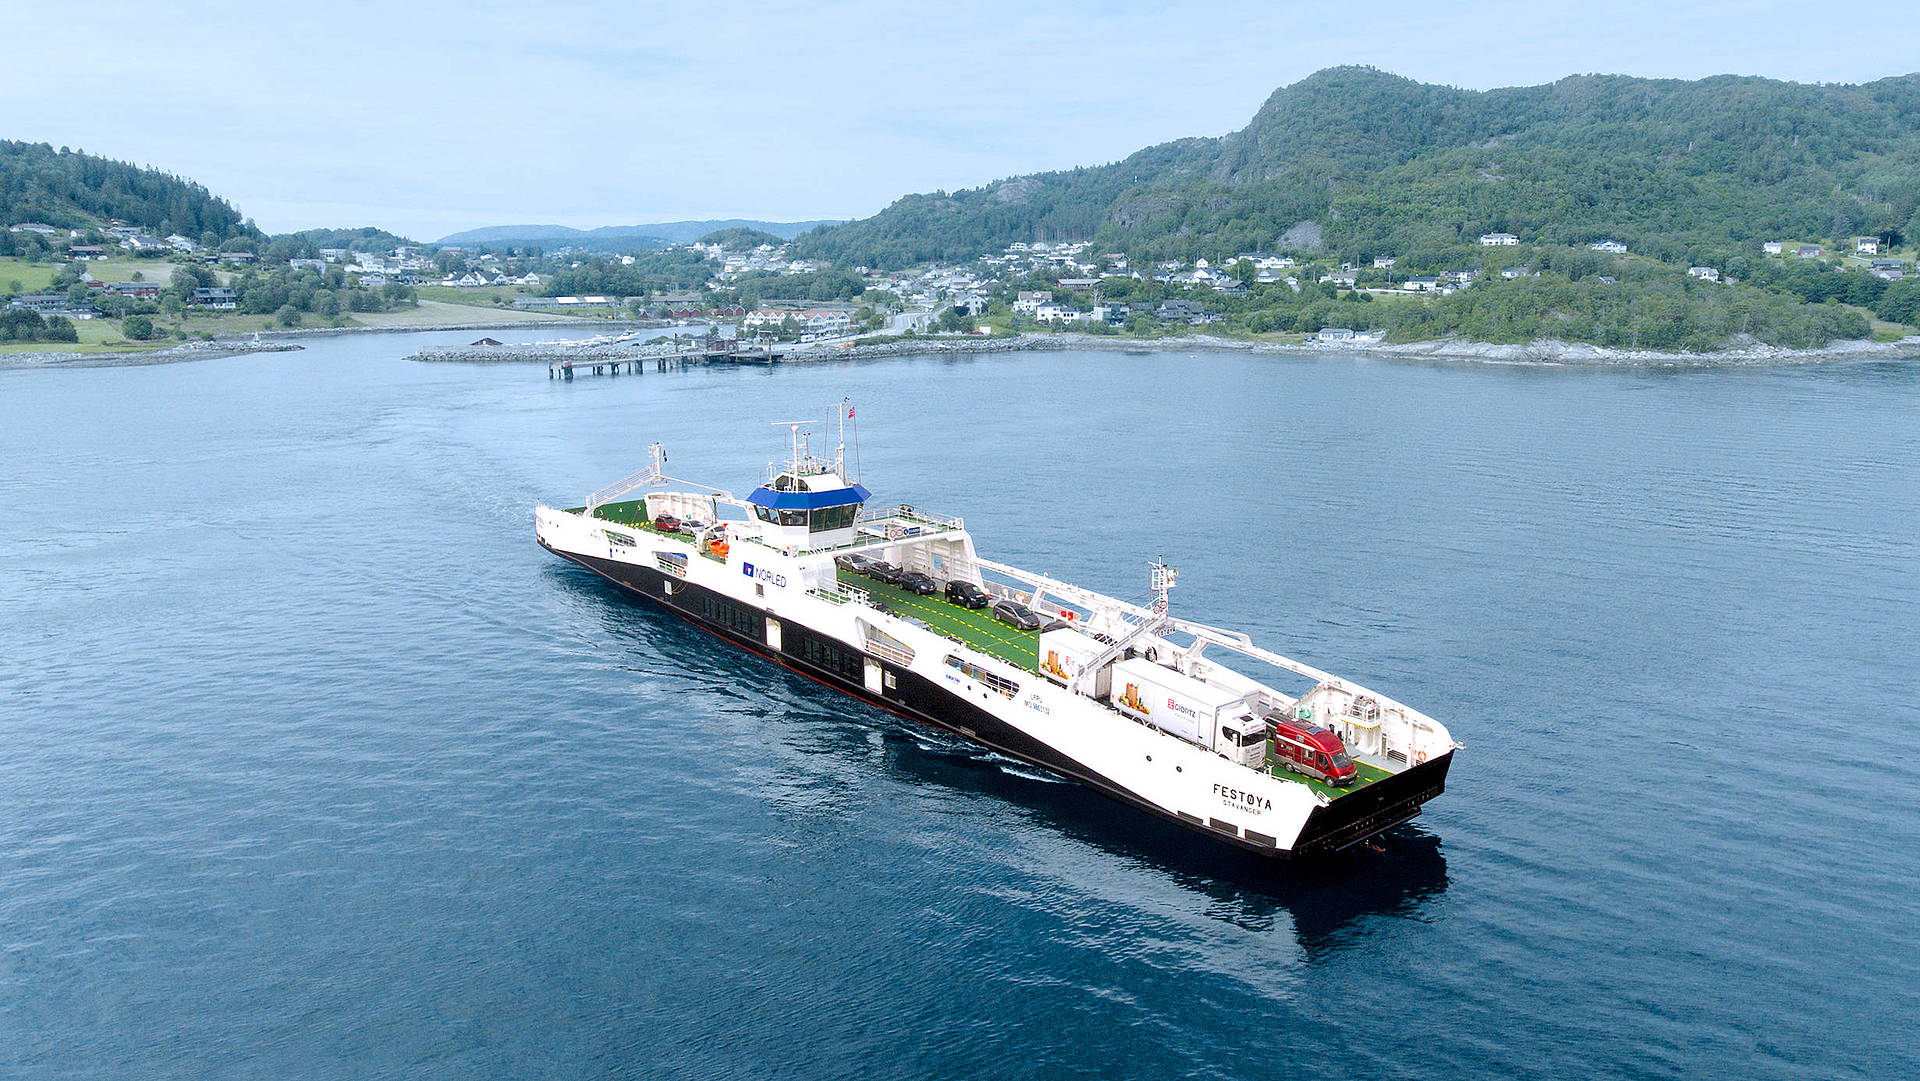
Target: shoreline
[(265, 341), (1452, 350)]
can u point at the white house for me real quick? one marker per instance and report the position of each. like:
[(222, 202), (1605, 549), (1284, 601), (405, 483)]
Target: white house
[(1772, 247), (1513, 272), (1498, 240), (1384, 262), (1420, 285), (1029, 301), (1612, 246), (1866, 245), (1705, 273)]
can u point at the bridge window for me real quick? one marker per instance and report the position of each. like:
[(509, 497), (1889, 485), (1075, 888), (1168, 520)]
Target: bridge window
[(834, 517)]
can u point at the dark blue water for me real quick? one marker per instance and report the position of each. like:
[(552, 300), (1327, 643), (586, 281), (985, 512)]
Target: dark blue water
[(313, 764)]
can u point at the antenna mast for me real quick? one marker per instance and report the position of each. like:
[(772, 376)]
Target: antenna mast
[(1160, 579)]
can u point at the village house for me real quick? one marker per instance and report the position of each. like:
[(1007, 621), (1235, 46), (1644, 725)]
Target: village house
[(217, 296), (180, 243), (1029, 300), (1385, 262), (1078, 285), (86, 251), (1705, 273), (307, 264), (1188, 310), (41, 303), (1772, 247), (1513, 272), (1866, 245), (1613, 247), (1420, 285), (1808, 251), (41, 228), (138, 290), (1498, 240)]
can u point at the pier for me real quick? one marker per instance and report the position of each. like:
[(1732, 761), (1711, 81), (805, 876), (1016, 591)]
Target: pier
[(612, 355)]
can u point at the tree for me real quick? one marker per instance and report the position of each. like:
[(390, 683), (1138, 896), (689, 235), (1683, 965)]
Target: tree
[(287, 316), (137, 327)]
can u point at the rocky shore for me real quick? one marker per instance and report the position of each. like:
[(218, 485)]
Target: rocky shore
[(177, 354), (1446, 349)]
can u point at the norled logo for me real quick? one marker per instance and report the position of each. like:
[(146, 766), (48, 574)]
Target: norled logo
[(778, 581)]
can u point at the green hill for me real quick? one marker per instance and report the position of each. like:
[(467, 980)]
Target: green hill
[(1372, 163), (71, 189)]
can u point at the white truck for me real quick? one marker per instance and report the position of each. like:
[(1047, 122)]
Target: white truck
[(1219, 719)]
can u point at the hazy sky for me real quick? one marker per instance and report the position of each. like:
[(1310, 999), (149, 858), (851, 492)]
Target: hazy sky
[(428, 119)]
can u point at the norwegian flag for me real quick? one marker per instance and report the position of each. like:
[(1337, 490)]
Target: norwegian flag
[(849, 408)]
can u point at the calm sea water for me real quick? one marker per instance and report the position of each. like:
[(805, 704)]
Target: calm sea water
[(313, 764)]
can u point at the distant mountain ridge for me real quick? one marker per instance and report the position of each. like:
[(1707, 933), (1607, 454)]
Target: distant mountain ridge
[(1366, 162), (663, 233)]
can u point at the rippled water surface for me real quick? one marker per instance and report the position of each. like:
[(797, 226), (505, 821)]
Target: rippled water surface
[(313, 764)]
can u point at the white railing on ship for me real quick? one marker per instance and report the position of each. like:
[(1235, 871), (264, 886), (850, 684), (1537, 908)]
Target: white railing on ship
[(619, 488), (842, 594), (888, 652), (911, 514)]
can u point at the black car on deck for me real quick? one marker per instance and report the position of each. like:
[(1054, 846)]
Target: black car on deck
[(918, 583), (881, 571), (967, 595), (1015, 614)]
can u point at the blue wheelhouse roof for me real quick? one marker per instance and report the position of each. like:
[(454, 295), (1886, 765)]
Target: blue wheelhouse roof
[(839, 497)]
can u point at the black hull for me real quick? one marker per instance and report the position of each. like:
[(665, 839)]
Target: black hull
[(922, 700)]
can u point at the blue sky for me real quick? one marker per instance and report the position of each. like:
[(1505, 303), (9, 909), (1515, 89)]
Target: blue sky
[(427, 119)]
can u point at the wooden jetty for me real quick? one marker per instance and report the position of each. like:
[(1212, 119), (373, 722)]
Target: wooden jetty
[(710, 349)]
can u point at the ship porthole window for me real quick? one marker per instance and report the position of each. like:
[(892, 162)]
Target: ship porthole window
[(1179, 769), (1149, 758)]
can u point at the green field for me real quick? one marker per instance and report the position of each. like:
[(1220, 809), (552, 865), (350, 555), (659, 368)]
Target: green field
[(33, 277), (96, 336)]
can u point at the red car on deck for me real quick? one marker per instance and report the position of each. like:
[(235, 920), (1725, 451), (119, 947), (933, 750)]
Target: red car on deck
[(1305, 747)]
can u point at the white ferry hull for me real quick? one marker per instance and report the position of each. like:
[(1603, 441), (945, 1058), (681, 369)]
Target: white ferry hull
[(758, 602)]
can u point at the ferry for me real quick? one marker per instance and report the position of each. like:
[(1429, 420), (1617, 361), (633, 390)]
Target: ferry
[(894, 606)]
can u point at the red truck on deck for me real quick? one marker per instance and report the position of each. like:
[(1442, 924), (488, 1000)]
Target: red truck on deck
[(1305, 747)]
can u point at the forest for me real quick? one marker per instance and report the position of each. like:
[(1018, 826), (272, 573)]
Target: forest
[(1688, 172), (71, 189)]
